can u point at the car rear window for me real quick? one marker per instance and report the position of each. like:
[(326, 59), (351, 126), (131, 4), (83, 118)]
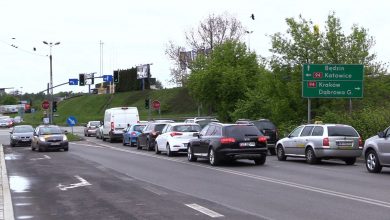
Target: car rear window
[(267, 125), (159, 127), (187, 128), (342, 131), (139, 127), (95, 123), (241, 131)]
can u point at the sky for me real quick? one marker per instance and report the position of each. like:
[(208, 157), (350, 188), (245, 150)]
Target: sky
[(138, 32)]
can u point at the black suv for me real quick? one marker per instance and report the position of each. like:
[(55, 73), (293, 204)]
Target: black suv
[(266, 127), (218, 142)]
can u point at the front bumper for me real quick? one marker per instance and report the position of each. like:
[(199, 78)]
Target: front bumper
[(54, 145), (23, 142)]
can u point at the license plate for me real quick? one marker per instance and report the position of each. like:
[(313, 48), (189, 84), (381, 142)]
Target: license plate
[(247, 144), (344, 144), (55, 144), (25, 140)]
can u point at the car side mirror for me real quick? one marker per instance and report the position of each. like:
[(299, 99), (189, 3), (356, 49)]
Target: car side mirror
[(381, 134)]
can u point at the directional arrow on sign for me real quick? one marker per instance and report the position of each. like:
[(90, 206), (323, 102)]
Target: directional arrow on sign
[(73, 82)]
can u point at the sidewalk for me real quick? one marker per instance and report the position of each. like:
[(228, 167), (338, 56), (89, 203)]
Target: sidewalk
[(6, 209)]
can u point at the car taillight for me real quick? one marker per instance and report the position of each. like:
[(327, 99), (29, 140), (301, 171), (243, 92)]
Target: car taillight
[(227, 140), (325, 142), (112, 126), (262, 139), (175, 134), (133, 134), (360, 142)]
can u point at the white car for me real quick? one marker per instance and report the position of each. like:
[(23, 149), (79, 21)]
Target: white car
[(175, 137)]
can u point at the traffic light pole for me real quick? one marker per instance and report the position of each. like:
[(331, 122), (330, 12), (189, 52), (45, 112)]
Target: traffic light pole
[(149, 111)]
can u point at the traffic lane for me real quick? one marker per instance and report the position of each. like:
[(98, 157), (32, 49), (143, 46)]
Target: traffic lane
[(271, 198), (60, 185), (332, 175)]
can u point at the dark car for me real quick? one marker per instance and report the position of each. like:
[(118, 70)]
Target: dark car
[(217, 142), (49, 137), (270, 131), (21, 135), (148, 136)]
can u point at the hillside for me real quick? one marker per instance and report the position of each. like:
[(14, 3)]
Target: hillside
[(175, 103)]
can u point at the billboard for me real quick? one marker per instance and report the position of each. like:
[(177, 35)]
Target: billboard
[(143, 71)]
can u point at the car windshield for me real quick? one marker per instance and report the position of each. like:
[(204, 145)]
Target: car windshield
[(139, 128), (342, 131), (25, 129), (95, 123), (242, 131), (186, 128), (264, 125), (50, 130)]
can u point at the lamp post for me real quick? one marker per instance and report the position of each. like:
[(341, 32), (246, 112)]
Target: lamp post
[(249, 39), (51, 79)]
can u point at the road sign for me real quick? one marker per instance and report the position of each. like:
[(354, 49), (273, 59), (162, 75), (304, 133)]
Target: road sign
[(332, 89), (334, 72), (71, 121), (45, 104), (156, 104), (332, 80), (73, 82), (107, 78)]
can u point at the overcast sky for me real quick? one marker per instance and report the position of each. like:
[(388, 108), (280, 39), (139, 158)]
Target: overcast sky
[(137, 32)]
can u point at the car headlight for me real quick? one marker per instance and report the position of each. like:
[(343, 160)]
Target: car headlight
[(15, 137), (65, 138), (42, 139)]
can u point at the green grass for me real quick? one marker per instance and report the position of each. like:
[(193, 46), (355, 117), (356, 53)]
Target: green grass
[(175, 103), (73, 137)]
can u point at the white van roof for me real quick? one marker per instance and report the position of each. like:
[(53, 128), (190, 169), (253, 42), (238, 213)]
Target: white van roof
[(122, 108)]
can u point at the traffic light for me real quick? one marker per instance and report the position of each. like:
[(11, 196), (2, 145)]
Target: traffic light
[(147, 103), (81, 79), (116, 76), (54, 106)]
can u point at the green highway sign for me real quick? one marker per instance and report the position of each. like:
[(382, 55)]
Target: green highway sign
[(332, 89), (333, 72), (332, 80)]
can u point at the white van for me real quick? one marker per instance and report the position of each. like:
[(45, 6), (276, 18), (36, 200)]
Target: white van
[(117, 119)]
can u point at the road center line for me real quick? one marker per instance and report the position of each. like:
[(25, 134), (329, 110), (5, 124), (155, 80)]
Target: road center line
[(262, 178), (204, 210)]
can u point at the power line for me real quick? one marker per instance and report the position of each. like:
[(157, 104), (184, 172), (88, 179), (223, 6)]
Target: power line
[(24, 50)]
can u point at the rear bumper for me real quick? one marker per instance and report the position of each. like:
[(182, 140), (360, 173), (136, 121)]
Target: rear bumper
[(253, 153), (337, 153)]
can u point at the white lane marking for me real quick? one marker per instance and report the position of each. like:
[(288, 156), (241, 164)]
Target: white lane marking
[(82, 182), (204, 210), (155, 191), (263, 178), (41, 158), (25, 217), (8, 211), (23, 204)]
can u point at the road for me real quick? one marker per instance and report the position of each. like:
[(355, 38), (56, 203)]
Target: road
[(100, 180)]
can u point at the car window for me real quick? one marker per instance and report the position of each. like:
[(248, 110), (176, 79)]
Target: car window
[(342, 131), (186, 128), (95, 123), (139, 128), (306, 131), (296, 132), (166, 129), (218, 131), (211, 130), (387, 132), (317, 131), (241, 131), (204, 130), (159, 127)]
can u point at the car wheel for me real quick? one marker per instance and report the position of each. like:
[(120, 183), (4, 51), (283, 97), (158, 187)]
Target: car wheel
[(260, 161), (372, 162), (272, 151), (32, 148), (40, 149), (111, 140), (190, 155), (169, 152), (350, 161), (310, 156), (123, 141), (66, 149), (280, 153), (13, 145), (156, 150), (85, 134), (213, 158)]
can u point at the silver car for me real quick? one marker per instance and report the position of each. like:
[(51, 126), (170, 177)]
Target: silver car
[(321, 141), (21, 135), (376, 151)]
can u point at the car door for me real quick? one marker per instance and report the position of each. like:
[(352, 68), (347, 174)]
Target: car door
[(198, 144), (384, 147), (163, 137), (291, 141), (144, 135), (302, 140)]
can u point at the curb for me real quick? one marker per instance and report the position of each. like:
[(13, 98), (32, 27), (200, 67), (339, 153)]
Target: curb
[(8, 212)]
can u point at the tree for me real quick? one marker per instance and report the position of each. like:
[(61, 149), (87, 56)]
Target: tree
[(9, 100), (303, 43), (213, 31), (220, 80)]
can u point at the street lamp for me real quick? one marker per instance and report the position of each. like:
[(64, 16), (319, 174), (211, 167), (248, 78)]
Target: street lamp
[(51, 79), (249, 39)]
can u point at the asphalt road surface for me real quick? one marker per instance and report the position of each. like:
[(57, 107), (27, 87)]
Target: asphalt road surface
[(100, 180)]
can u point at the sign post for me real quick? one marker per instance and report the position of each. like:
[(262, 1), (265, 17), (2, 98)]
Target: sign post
[(332, 81), (71, 121)]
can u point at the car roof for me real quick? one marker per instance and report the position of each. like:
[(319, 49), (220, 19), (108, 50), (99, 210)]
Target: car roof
[(183, 123)]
